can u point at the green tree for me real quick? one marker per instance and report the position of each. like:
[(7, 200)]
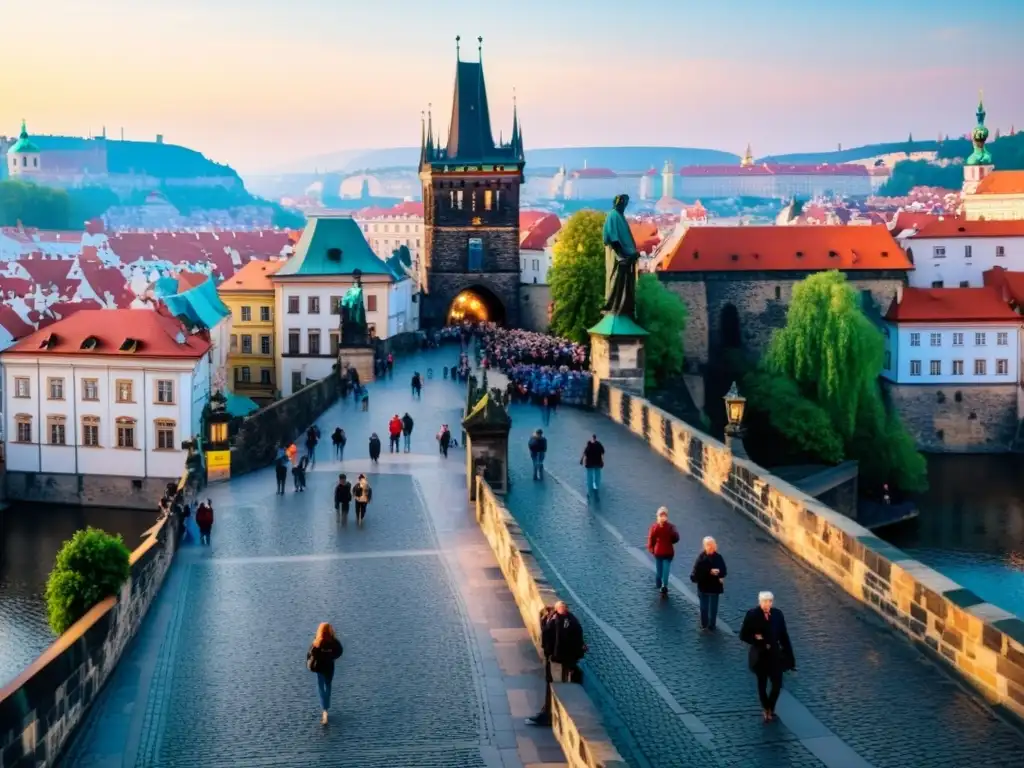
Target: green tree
[(833, 354), (91, 566), (577, 276), (33, 205), (663, 315)]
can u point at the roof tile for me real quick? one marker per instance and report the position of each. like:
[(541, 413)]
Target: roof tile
[(948, 305), (254, 276)]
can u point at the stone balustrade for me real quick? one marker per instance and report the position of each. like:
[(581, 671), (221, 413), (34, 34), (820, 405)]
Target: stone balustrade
[(41, 708), (575, 720), (982, 642)]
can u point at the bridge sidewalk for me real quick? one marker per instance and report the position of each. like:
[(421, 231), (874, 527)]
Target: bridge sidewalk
[(862, 695)]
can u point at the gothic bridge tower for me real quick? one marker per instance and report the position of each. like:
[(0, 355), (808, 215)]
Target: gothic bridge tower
[(470, 264)]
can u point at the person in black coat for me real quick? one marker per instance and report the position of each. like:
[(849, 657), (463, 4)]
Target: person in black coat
[(374, 447), (771, 653), (320, 658), (407, 425), (547, 644), (342, 495), (708, 574), (567, 646), (538, 446)]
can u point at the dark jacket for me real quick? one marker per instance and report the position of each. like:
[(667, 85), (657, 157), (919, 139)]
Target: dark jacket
[(374, 447), (701, 573), (204, 517), (407, 424), (661, 540), (538, 444), (362, 493), (567, 640), (445, 438), (547, 632), (773, 652), (338, 437), (593, 455), (343, 493), (323, 657)]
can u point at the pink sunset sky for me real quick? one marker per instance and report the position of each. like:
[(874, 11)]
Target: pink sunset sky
[(262, 85)]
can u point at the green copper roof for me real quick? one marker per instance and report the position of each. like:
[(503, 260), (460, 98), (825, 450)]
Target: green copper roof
[(315, 252), (24, 143), (617, 325), (980, 155)]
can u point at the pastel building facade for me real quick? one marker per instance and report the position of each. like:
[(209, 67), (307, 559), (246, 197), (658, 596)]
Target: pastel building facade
[(955, 252)]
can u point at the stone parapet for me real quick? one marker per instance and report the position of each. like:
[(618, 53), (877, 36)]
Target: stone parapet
[(983, 643), (576, 722), (41, 708), (86, 490)]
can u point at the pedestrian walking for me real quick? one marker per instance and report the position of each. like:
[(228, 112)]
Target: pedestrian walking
[(771, 653), (374, 448), (342, 496), (281, 469), (391, 365), (547, 643), (538, 446), (568, 647), (312, 438), (661, 541), (204, 521), (444, 440), (709, 574), (593, 461), (417, 385), (394, 434), (407, 425), (362, 494), (325, 650), (338, 439), (299, 474)]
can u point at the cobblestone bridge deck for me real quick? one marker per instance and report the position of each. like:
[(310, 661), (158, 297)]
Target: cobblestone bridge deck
[(217, 677)]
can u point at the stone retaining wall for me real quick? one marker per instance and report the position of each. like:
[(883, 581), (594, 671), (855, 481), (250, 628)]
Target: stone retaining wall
[(575, 720), (262, 433), (981, 642), (86, 490), (41, 708)]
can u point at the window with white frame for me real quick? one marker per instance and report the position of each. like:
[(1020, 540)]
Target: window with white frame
[(958, 339), (979, 339), (246, 314), (1002, 338), (1002, 367), (91, 431), (979, 367), (264, 314), (935, 368), (939, 252), (915, 367), (90, 389), (56, 427), (22, 386), (915, 339), (23, 428), (55, 386), (968, 251), (958, 367), (165, 391), (164, 434), (935, 339), (1000, 251), (124, 390), (125, 432)]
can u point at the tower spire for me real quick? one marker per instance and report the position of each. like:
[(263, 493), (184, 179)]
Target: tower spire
[(458, 47), (24, 130), (748, 157), (423, 138), (430, 130), (516, 146), (480, 48), (980, 155)]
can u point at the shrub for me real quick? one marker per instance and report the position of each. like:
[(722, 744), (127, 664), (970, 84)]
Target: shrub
[(91, 566)]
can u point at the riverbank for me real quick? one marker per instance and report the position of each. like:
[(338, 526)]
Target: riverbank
[(33, 534)]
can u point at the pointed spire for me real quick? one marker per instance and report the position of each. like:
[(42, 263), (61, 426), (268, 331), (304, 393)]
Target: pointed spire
[(458, 48), (432, 148), (480, 48), (423, 138), (516, 143), (981, 107), (24, 130)]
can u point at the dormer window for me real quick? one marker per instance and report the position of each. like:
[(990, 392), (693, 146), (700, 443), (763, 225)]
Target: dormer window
[(49, 342), (129, 345), (91, 342)]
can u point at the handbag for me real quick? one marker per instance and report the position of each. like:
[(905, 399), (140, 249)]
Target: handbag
[(311, 661)]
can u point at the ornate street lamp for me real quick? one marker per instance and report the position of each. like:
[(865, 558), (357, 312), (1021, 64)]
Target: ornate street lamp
[(735, 405)]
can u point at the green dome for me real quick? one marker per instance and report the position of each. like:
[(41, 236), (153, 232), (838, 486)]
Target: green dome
[(24, 144), (980, 155)]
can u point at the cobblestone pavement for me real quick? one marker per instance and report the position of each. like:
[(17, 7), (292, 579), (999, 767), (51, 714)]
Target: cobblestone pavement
[(862, 695), (437, 669)]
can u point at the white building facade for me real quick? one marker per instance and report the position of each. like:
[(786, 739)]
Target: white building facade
[(954, 252), (69, 411)]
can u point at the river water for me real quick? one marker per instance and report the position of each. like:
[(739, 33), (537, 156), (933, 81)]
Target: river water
[(971, 526), (33, 533)]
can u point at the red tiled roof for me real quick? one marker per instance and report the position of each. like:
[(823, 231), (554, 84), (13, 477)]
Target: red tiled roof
[(528, 218), (954, 227), (773, 170), (645, 235), (198, 247), (793, 248), (594, 173), (1002, 183), (539, 233), (156, 336), (17, 285), (254, 276), (47, 272), (65, 309), (12, 321), (920, 305), (188, 280), (104, 280), (407, 209), (1002, 278)]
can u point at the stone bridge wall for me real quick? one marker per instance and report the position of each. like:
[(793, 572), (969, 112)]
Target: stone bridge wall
[(41, 708), (575, 720), (262, 433), (981, 642)]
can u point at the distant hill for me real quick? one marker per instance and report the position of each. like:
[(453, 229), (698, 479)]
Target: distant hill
[(615, 158), (851, 155), (152, 158)]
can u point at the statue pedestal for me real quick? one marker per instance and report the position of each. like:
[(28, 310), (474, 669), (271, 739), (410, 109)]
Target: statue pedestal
[(486, 427), (617, 354), (361, 358)]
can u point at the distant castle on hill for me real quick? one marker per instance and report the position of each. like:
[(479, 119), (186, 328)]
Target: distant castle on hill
[(124, 166)]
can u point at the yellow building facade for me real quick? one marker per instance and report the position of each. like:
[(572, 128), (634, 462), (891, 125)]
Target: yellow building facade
[(249, 295)]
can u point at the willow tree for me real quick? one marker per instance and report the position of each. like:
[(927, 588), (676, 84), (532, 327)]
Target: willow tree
[(577, 276), (834, 354)]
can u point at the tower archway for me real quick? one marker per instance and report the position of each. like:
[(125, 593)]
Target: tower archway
[(475, 305)]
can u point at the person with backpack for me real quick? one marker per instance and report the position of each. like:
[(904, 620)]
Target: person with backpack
[(661, 541), (407, 425), (538, 449), (281, 469), (338, 439), (342, 496), (362, 494), (320, 658), (204, 521)]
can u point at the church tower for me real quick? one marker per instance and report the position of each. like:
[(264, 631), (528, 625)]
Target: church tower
[(23, 156), (668, 176), (748, 158), (979, 164), (471, 210)]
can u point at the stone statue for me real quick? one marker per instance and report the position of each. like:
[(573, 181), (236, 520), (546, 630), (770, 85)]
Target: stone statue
[(620, 260), (353, 314)]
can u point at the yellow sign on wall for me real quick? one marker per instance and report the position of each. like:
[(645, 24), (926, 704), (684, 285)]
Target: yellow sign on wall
[(218, 465)]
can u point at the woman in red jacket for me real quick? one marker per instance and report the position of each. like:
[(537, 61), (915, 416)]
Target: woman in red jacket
[(661, 541)]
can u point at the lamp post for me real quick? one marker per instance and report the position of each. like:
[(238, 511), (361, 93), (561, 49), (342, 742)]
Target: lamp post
[(735, 405)]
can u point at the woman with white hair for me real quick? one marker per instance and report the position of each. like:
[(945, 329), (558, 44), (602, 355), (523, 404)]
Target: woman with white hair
[(771, 653), (709, 574)]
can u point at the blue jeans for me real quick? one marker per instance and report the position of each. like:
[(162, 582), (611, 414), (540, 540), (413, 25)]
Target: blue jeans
[(538, 466), (593, 478), (708, 609), (661, 568), (323, 687), (408, 442)]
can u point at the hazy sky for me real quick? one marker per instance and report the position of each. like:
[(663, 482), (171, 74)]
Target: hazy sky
[(260, 84)]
